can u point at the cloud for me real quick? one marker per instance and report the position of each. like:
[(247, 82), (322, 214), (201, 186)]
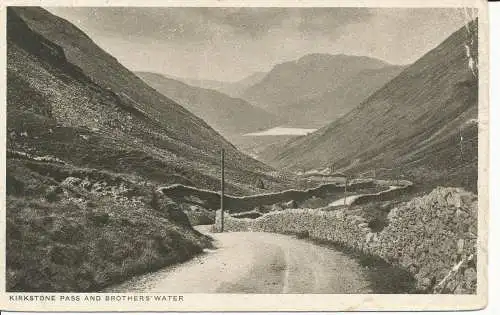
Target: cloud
[(326, 21), (251, 22), (231, 43), (204, 24), (141, 22)]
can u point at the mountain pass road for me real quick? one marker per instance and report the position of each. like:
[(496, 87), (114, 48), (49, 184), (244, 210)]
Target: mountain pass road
[(256, 262)]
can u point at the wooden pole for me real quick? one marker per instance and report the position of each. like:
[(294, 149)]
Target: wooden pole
[(461, 148), (345, 191), (222, 191)]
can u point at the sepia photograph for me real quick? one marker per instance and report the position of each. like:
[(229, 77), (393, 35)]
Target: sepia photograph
[(164, 151)]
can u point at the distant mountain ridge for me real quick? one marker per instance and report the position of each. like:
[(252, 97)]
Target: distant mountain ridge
[(233, 89), (229, 116), (318, 88), (422, 124)]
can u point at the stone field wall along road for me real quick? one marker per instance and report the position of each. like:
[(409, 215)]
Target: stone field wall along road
[(433, 237)]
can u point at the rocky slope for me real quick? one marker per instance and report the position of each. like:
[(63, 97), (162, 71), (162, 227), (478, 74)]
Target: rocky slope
[(422, 124), (227, 115), (97, 113), (318, 88)]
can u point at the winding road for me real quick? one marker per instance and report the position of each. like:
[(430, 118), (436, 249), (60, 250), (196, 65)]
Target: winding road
[(255, 262), (258, 262), (350, 199)]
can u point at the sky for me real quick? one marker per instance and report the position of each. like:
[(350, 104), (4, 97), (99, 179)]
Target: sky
[(228, 44)]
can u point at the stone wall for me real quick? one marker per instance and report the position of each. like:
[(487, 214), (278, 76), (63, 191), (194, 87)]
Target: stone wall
[(211, 199), (433, 237), (384, 195)]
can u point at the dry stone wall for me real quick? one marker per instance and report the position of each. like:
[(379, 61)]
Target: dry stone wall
[(211, 199), (404, 188), (433, 237)]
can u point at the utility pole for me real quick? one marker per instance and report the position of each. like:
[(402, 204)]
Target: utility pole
[(345, 190), (222, 191), (461, 139)]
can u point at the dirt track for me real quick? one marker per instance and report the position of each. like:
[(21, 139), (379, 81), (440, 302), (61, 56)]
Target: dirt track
[(246, 262)]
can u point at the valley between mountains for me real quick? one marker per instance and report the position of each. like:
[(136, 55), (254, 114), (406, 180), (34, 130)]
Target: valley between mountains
[(343, 173)]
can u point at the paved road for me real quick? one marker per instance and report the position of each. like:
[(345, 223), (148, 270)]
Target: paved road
[(255, 262)]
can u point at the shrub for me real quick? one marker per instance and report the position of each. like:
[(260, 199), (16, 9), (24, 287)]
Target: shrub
[(52, 193), (259, 184)]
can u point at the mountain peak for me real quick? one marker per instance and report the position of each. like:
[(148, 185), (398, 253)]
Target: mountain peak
[(325, 58), (301, 84)]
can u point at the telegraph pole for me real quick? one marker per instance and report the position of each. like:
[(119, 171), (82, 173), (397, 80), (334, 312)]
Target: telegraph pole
[(222, 191), (461, 148), (345, 190)]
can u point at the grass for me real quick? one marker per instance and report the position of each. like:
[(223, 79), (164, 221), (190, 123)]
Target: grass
[(70, 247), (63, 239)]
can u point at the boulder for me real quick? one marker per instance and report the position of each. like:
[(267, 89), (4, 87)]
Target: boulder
[(71, 181)]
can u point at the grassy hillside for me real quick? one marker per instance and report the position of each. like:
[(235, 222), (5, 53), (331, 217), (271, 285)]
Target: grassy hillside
[(411, 126), (317, 88), (78, 230), (320, 110), (227, 115)]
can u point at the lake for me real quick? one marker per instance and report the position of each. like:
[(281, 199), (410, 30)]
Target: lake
[(281, 131)]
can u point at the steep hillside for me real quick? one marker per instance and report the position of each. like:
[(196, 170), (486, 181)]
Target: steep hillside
[(229, 116), (307, 89), (71, 226), (318, 111), (104, 116), (412, 126)]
